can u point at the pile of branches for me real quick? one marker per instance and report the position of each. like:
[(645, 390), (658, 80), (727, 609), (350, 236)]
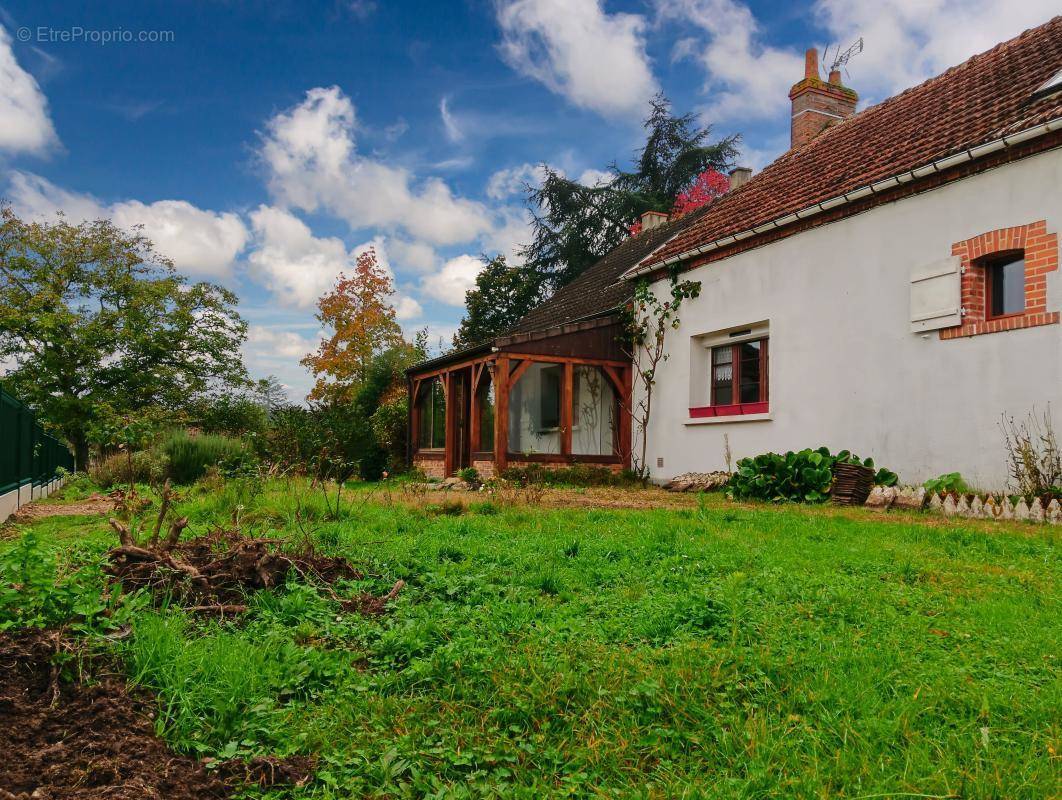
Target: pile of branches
[(213, 573)]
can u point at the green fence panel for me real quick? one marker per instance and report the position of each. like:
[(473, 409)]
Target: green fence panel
[(28, 453)]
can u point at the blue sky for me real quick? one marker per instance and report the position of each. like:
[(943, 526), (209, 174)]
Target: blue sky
[(263, 144)]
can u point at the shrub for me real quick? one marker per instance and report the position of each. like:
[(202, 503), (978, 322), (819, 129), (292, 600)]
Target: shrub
[(147, 466), (799, 477), (470, 476), (1033, 454), (805, 476), (191, 456), (576, 475), (951, 482)]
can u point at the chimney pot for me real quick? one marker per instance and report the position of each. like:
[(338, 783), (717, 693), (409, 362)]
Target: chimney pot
[(811, 63), (835, 77), (739, 176)]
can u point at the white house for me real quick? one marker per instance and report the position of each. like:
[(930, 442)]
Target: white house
[(890, 285)]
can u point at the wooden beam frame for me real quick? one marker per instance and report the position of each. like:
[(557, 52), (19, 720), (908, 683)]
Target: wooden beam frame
[(501, 413)]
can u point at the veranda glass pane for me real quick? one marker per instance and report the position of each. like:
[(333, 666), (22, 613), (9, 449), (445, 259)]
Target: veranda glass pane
[(424, 416), (593, 413), (438, 426), (534, 410), (485, 399)]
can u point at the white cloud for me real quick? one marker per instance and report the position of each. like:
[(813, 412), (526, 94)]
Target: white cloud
[(456, 277), (453, 130), (745, 78), (908, 41), (510, 236), (508, 181), (266, 342), (312, 163), (407, 308), (595, 177), (290, 261), (26, 126), (201, 243), (595, 60), (274, 349), (417, 256)]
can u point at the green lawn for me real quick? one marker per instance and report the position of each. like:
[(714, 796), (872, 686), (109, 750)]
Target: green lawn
[(717, 650)]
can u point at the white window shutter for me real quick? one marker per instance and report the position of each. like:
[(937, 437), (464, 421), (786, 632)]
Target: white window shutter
[(936, 295)]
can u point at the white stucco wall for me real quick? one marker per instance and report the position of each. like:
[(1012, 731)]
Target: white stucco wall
[(845, 370)]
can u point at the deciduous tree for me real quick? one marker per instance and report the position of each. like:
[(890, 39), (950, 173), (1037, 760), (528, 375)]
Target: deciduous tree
[(98, 324), (362, 322)]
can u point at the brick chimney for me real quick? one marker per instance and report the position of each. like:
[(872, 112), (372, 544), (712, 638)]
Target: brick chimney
[(739, 176), (817, 104), (653, 219)]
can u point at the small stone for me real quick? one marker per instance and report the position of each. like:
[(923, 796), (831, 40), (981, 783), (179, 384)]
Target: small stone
[(1054, 512), (877, 499), (1008, 509), (962, 508), (1021, 510), (977, 508), (911, 497), (950, 508), (1036, 510)]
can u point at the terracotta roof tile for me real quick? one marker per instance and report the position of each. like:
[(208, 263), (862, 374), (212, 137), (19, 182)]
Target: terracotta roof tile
[(983, 99)]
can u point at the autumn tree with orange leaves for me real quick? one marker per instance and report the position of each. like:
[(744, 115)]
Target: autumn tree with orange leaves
[(359, 313)]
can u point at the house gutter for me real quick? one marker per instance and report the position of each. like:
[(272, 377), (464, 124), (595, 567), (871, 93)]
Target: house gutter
[(885, 184)]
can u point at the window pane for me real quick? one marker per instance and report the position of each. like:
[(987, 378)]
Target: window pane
[(485, 396), (750, 372), (722, 375), (593, 413), (438, 426), (534, 410), (1007, 287)]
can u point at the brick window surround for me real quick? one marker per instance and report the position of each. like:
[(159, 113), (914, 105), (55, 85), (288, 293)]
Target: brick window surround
[(1041, 257)]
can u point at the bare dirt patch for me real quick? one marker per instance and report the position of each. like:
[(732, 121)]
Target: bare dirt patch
[(96, 504), (213, 573), (89, 739)]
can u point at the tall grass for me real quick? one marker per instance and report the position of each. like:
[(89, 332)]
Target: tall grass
[(721, 651), (191, 456)]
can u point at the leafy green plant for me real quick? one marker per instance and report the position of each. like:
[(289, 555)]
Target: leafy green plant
[(948, 483), (191, 456), (470, 476), (36, 590), (804, 476)]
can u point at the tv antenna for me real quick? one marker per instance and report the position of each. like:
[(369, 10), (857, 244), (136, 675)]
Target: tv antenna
[(841, 59)]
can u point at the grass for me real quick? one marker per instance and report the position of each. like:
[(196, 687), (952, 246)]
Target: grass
[(710, 651)]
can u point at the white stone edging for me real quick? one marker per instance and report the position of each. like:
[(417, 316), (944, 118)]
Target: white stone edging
[(993, 507)]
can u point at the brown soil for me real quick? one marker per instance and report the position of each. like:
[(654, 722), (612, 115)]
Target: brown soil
[(87, 740), (96, 504), (213, 573)]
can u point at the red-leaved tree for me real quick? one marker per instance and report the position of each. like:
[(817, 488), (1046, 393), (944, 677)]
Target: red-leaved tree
[(359, 313)]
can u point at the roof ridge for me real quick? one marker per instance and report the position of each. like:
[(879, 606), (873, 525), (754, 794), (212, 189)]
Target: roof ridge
[(967, 105), (891, 100)]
